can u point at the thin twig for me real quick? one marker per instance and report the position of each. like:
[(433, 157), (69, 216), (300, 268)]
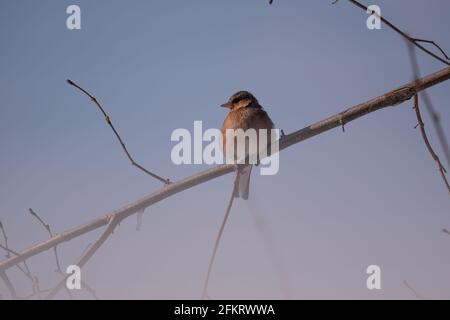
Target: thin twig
[(114, 220), (434, 116), (3, 275), (55, 248), (8, 284), (418, 295), (49, 230), (446, 231), (437, 126), (5, 239), (435, 119), (26, 272), (219, 235), (89, 289), (9, 251), (265, 231), (414, 41), (108, 121), (427, 143), (84, 283)]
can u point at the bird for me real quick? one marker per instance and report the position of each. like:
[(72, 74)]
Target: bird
[(245, 113)]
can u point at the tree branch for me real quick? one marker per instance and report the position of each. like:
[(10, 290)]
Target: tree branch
[(414, 41), (427, 143), (219, 235), (391, 98), (9, 251), (114, 220), (433, 115), (416, 294), (9, 285), (5, 239), (108, 121)]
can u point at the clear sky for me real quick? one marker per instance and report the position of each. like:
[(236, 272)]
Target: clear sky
[(341, 201)]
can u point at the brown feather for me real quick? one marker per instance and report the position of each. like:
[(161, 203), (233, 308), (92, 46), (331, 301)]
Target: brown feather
[(245, 114)]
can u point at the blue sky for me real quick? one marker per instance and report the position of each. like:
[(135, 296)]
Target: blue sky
[(341, 201)]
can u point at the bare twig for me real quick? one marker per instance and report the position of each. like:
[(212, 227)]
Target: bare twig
[(446, 231), (8, 284), (49, 230), (45, 225), (414, 41), (37, 288), (391, 98), (416, 294), (108, 121), (437, 126), (9, 251), (3, 275), (442, 170), (25, 271), (5, 238), (436, 120), (90, 290), (55, 249), (219, 235), (32, 295), (83, 283)]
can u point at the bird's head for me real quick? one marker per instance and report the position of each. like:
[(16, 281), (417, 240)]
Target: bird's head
[(241, 99)]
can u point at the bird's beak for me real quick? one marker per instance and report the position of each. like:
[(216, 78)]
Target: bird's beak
[(226, 105)]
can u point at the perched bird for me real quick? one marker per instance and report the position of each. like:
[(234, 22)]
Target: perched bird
[(245, 113)]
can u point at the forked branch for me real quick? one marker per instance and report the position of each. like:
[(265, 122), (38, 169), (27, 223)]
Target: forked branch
[(415, 41)]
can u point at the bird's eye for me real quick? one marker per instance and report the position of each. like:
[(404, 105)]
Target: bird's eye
[(235, 100)]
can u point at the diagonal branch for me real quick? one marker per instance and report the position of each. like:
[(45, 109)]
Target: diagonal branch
[(114, 220), (108, 121), (391, 98), (414, 41), (219, 235), (49, 230), (90, 290), (9, 251), (434, 117), (5, 239), (9, 285), (266, 233), (416, 294), (26, 272), (436, 120), (427, 143), (55, 248)]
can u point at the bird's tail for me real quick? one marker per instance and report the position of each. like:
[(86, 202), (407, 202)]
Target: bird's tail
[(243, 183)]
